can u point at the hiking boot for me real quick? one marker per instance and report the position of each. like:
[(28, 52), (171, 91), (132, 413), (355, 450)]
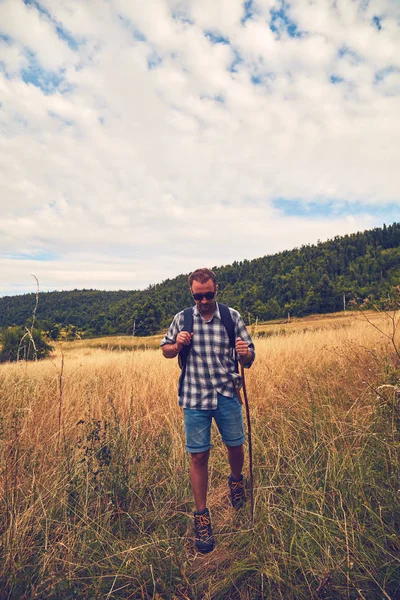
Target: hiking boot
[(203, 531), (238, 493)]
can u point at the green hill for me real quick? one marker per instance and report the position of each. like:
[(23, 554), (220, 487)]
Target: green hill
[(305, 280)]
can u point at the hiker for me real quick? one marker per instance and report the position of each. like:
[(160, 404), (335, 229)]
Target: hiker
[(210, 338)]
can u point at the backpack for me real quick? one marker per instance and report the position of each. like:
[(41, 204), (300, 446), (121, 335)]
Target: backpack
[(229, 325)]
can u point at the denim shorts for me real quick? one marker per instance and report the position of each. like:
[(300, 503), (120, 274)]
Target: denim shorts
[(229, 419)]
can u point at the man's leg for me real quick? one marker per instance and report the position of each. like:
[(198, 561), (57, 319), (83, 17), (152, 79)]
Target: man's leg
[(229, 418), (202, 520), (235, 479), (198, 444), (199, 478), (236, 460)]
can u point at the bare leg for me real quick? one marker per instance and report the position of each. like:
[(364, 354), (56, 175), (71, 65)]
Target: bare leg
[(199, 478), (236, 459)]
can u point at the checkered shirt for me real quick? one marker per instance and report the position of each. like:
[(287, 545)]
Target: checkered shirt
[(210, 366)]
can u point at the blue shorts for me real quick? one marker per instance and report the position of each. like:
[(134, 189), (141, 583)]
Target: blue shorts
[(229, 419)]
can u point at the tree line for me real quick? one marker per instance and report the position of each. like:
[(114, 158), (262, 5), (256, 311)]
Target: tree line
[(318, 278)]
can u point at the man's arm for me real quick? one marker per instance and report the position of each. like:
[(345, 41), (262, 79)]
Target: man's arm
[(182, 339), (170, 350), (244, 344), (175, 339)]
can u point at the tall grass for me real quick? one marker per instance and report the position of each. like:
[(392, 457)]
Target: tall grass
[(94, 487)]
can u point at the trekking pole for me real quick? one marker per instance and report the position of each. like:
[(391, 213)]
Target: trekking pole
[(246, 401)]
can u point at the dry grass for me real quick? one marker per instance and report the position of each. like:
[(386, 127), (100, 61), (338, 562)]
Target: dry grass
[(112, 343), (94, 478)]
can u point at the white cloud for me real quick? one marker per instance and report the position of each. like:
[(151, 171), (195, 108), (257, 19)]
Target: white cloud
[(156, 149), (13, 57), (24, 24)]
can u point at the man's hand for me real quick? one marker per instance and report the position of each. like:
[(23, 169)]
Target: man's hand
[(183, 339), (242, 349)]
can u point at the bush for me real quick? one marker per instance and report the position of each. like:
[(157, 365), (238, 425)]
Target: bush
[(19, 344)]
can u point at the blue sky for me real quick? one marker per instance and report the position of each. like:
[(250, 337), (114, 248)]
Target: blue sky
[(143, 140)]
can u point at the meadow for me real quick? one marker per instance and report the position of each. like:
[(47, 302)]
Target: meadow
[(94, 486)]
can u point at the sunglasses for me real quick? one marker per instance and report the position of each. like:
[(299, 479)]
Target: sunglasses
[(207, 296)]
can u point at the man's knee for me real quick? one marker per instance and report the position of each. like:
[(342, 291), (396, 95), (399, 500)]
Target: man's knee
[(200, 459)]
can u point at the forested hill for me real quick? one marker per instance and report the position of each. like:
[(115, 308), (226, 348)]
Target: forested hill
[(306, 280)]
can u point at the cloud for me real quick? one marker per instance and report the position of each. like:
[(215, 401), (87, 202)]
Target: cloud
[(138, 140), (34, 31)]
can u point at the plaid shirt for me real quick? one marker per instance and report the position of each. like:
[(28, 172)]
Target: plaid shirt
[(210, 366)]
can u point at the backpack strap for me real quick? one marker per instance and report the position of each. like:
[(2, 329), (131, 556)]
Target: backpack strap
[(183, 354), (229, 325)]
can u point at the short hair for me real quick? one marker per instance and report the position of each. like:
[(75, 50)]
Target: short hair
[(202, 275)]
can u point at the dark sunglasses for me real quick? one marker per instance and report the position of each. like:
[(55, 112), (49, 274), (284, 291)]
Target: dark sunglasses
[(207, 296)]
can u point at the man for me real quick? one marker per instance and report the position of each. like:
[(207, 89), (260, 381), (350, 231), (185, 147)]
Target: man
[(208, 391)]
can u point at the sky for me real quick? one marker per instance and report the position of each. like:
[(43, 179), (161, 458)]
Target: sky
[(144, 139)]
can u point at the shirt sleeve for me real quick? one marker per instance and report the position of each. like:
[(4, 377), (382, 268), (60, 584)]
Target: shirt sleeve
[(241, 331), (174, 329)]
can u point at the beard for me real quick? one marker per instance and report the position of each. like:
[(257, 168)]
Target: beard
[(207, 308)]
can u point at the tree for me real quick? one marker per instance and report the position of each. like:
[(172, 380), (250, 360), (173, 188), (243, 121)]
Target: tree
[(23, 344), (310, 279), (148, 318), (323, 297)]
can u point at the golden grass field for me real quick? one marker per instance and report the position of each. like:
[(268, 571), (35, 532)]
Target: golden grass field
[(94, 488)]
